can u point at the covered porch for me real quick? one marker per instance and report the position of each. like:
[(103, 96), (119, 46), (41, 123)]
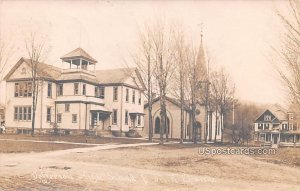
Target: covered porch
[(99, 118)]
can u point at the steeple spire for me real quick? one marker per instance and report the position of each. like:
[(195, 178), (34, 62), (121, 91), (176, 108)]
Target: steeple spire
[(201, 62)]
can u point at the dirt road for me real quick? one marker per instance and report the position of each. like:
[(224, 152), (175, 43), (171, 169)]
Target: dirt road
[(128, 167)]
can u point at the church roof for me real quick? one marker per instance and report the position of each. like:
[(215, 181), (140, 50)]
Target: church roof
[(173, 101), (79, 53)]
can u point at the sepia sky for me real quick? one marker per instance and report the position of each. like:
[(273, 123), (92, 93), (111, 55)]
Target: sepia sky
[(237, 34)]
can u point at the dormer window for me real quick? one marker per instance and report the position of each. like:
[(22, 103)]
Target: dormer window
[(267, 118)]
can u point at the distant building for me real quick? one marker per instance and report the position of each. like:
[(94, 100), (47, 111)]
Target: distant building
[(277, 127), (76, 98)]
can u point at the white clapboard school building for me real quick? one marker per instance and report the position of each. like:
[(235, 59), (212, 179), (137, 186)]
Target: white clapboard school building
[(76, 96)]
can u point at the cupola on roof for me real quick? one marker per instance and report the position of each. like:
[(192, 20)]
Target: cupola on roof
[(79, 53)]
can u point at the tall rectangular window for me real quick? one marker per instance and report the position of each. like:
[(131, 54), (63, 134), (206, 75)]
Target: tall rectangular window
[(25, 113), (60, 89), (20, 113), (127, 95), (115, 94), (48, 114), (133, 96), (115, 116), (74, 118), (84, 89), (76, 88), (59, 118), (67, 107), (102, 92), (97, 91), (49, 90), (29, 113), (126, 117), (139, 120), (16, 113), (16, 89), (140, 98)]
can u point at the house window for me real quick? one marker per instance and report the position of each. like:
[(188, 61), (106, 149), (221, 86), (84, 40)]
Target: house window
[(102, 92), (49, 90), (76, 88), (139, 120), (59, 118), (115, 116), (60, 89), (266, 126), (22, 113), (48, 114), (133, 96), (23, 89), (290, 126), (74, 118), (97, 92), (126, 117), (260, 126), (127, 95), (115, 94), (67, 107), (84, 89), (140, 98), (25, 113), (267, 117)]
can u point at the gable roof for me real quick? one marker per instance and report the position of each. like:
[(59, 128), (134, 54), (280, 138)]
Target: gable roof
[(45, 70), (277, 113), (77, 53), (172, 100), (117, 76)]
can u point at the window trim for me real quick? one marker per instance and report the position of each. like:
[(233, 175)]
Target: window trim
[(76, 88), (67, 105), (83, 89), (74, 121), (115, 93), (59, 116), (115, 117), (48, 116), (126, 117), (127, 95)]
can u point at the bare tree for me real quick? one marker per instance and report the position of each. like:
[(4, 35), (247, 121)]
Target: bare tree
[(163, 55), (6, 51), (36, 51), (181, 75), (192, 87), (288, 64), (145, 64), (223, 87)]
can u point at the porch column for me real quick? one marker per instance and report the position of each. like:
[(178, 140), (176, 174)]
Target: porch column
[(295, 138), (279, 138), (271, 138)]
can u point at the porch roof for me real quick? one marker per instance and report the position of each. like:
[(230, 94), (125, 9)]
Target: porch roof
[(136, 113), (99, 108)]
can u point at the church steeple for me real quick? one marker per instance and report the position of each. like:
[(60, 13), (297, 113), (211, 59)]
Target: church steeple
[(201, 69)]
